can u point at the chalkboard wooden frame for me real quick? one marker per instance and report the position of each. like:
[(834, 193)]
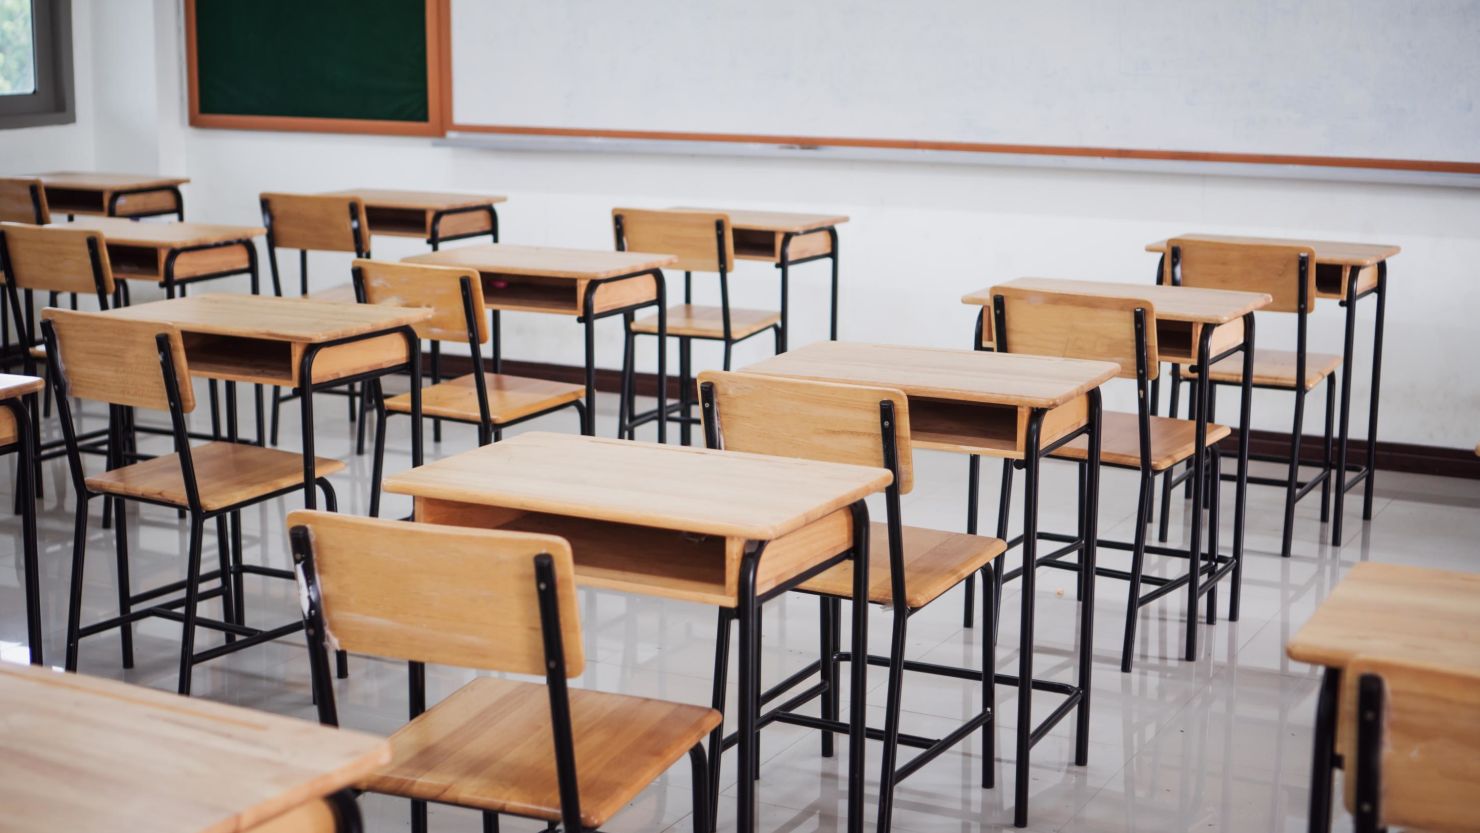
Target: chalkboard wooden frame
[(438, 70)]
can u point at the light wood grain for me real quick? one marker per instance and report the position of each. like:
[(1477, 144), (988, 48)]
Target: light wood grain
[(418, 200), (687, 489), (1074, 326), (316, 816), (84, 754), (226, 474), (1274, 368), (13, 386), (1173, 303), (808, 419), (98, 181), (775, 221), (690, 236), (509, 398), (1326, 251), (17, 204), (490, 746), (440, 594), (545, 261), (1422, 614), (1259, 267), (934, 562), (270, 318), (318, 223), (1430, 742), (51, 259), (163, 235), (708, 322), (115, 360), (956, 375), (1172, 441), (437, 289)]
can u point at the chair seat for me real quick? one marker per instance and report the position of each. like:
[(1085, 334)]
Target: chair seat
[(709, 322), (489, 746), (1172, 441), (1273, 368), (226, 473), (342, 294), (509, 398), (934, 562)]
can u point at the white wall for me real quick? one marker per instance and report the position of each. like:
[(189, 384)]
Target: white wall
[(921, 234), (61, 146)]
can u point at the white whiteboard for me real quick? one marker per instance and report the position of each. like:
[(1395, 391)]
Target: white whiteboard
[(1366, 78)]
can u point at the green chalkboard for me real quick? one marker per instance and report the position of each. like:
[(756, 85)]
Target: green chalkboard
[(328, 59)]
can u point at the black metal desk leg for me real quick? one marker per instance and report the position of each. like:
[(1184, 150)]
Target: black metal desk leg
[(1372, 394), (832, 236), (749, 694), (25, 495), (1087, 560), (1324, 758), (1201, 398), (1344, 426), (662, 287), (1025, 642), (858, 684), (1241, 485)]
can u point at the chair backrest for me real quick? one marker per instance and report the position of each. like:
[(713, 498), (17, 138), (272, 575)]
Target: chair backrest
[(1248, 267), (437, 288), (1418, 766), (116, 360), (811, 420), (316, 222), (701, 240), (1074, 326), (23, 200), (54, 259), (439, 594)]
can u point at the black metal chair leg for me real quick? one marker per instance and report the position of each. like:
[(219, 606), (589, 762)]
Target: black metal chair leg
[(721, 672), (238, 576), (700, 773), (685, 394), (829, 679), (1292, 485), (192, 599), (120, 538), (1138, 561), (490, 822), (377, 465), (989, 682), (223, 561), (74, 595), (277, 401), (973, 496), (1328, 449), (892, 708)]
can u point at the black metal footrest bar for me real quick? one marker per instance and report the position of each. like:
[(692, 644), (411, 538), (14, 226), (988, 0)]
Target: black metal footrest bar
[(1046, 560), (172, 587), (241, 644), (163, 610), (1349, 483), (272, 572)]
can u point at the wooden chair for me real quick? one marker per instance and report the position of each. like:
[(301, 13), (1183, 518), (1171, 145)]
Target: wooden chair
[(703, 242), (139, 364), (1122, 330), (21, 201), (909, 567), (1412, 745), (338, 813), (312, 223), (1287, 274), (16, 429), (491, 401), (496, 601)]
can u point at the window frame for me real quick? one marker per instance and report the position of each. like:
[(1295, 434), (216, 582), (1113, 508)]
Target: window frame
[(54, 101)]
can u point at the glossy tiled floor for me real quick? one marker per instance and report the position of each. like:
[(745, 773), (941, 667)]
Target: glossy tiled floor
[(1220, 744)]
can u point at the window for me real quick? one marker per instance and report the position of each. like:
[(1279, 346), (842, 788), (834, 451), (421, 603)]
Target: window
[(35, 63)]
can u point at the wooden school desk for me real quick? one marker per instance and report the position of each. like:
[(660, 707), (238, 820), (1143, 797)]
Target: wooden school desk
[(712, 527), (433, 216), (113, 195), (1346, 272), (85, 754), (176, 254), (998, 405), (1193, 326), (787, 239), (285, 341), (585, 284), (1415, 613), (16, 393)]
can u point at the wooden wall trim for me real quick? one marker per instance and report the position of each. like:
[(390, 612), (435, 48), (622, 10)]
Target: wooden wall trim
[(439, 97), (1391, 456)]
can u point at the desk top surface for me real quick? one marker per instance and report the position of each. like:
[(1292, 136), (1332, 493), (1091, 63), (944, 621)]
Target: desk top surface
[(418, 200), (1398, 611), (88, 754), (271, 318), (777, 221), (12, 386), (941, 373), (695, 490), (1327, 251), (1173, 303), (98, 181), (162, 235), (546, 261)]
